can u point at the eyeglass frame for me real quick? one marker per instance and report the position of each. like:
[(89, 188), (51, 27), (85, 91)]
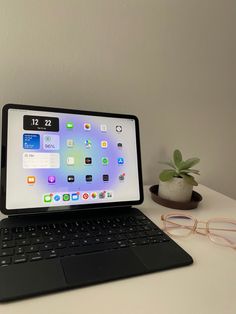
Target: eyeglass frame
[(193, 229)]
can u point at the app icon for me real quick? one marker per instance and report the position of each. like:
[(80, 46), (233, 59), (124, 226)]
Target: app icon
[(102, 194), (120, 161), (69, 143), (75, 196), (119, 145), (119, 128), (88, 160), (47, 198), (70, 161), (31, 179), (51, 179), (89, 178), (69, 125), (94, 195), (104, 161), (70, 178), (31, 141), (103, 128), (87, 126), (109, 194), (122, 177), (87, 143), (104, 144), (57, 198), (51, 142), (66, 197), (85, 196), (105, 177)]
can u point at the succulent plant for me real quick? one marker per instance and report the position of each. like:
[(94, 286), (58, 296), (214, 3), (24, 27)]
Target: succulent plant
[(180, 169)]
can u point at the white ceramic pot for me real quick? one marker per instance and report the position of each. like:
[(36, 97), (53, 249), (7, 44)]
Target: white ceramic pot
[(176, 190)]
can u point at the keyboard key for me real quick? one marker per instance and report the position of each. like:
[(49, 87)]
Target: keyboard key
[(17, 230), (75, 236), (50, 254), (35, 256), (21, 258), (7, 237), (46, 246), (60, 245), (110, 238), (20, 250), (50, 239), (82, 229), (122, 244), (74, 243), (30, 228), (8, 244), (31, 248), (23, 242), (4, 261), (144, 241), (47, 233), (157, 240), (121, 237), (141, 234), (154, 232), (132, 242), (33, 234), (20, 236), (132, 235), (140, 217), (146, 228), (165, 239), (37, 240), (96, 240), (71, 230), (7, 252), (42, 227), (85, 242), (5, 231)]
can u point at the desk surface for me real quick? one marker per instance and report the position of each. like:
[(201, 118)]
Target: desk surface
[(207, 286)]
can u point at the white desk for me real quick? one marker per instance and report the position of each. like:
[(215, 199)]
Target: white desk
[(208, 286)]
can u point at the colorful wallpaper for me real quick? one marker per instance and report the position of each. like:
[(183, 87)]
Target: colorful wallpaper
[(69, 159)]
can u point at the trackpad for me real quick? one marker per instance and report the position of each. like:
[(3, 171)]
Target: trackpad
[(101, 266)]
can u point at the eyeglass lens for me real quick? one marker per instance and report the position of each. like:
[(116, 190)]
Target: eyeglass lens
[(179, 225), (222, 232)]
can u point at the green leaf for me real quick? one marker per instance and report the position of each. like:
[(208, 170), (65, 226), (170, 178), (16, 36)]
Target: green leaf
[(166, 175), (190, 171), (177, 156), (167, 163), (184, 165), (189, 179)]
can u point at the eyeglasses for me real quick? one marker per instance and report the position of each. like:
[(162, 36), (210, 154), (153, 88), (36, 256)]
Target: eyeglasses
[(221, 231)]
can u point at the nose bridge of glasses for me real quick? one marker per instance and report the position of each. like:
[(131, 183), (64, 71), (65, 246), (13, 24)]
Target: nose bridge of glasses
[(201, 227)]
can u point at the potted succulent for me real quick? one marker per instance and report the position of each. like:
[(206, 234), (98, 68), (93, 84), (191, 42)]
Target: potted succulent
[(176, 184)]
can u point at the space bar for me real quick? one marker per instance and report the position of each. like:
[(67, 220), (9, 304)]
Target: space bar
[(87, 249)]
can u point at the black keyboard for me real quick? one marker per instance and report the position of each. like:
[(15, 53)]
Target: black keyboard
[(32, 243)]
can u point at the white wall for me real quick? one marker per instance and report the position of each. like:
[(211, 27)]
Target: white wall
[(171, 62)]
